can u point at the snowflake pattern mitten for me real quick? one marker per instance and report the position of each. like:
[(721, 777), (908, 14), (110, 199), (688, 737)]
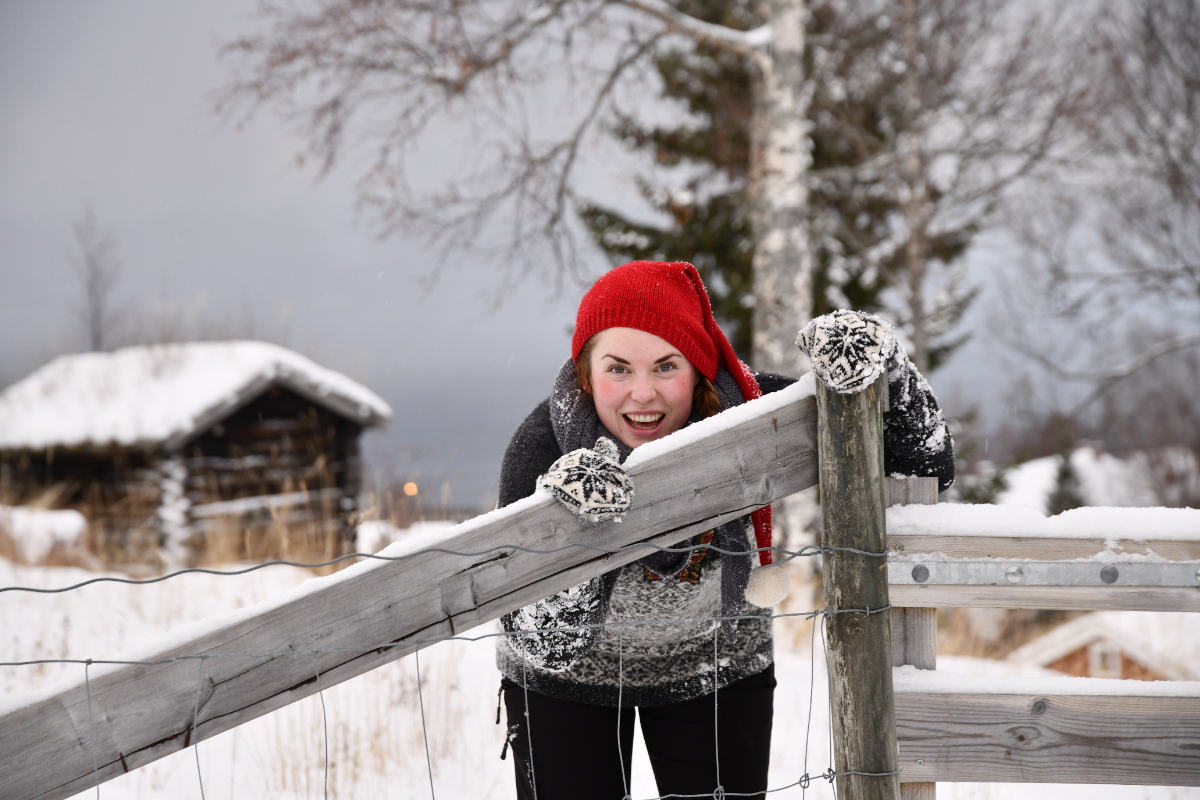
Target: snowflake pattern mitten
[(849, 349), (553, 633), (591, 483)]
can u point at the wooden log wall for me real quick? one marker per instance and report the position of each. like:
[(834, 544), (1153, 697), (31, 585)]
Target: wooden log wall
[(116, 488), (300, 460), (276, 447)]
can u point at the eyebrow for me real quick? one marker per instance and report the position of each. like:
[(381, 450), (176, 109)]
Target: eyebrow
[(620, 360)]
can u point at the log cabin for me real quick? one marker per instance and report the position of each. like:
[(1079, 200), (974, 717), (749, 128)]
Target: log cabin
[(190, 453)]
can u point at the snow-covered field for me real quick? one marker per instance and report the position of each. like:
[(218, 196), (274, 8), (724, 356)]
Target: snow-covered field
[(376, 741)]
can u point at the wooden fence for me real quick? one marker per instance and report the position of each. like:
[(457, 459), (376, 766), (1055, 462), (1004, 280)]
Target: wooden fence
[(1056, 730), (219, 673)]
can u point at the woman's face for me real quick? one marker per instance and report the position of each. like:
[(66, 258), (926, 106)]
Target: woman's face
[(642, 386)]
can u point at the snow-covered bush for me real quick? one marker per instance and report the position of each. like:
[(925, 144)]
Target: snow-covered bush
[(35, 535)]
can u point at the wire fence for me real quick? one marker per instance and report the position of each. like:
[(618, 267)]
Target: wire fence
[(788, 555), (817, 616), (803, 782)]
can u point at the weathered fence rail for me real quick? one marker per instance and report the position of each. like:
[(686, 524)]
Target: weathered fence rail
[(1056, 730), (60, 742)]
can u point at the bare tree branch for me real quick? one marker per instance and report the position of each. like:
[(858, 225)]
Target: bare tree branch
[(746, 43), (1105, 379), (1120, 371)]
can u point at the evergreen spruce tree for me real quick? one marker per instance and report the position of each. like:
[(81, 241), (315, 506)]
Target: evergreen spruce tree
[(710, 218), (1067, 493)]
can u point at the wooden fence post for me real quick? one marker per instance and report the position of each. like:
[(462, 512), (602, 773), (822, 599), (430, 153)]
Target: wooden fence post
[(850, 448), (914, 630)]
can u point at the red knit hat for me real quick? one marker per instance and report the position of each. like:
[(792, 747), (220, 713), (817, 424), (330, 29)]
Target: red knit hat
[(668, 299)]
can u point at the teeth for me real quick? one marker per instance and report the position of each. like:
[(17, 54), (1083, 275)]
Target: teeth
[(645, 418)]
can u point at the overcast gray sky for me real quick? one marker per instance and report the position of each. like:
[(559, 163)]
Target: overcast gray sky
[(110, 104)]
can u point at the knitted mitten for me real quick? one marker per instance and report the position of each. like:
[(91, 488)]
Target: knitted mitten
[(849, 349), (554, 632), (591, 483)]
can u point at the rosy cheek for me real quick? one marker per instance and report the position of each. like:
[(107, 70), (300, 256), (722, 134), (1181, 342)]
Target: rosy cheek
[(605, 398)]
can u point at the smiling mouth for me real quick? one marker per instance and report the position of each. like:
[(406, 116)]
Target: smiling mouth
[(644, 422)]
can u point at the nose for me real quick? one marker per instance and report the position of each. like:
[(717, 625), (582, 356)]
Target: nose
[(643, 390)]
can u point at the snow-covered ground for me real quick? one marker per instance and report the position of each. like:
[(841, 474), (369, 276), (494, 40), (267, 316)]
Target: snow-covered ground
[(35, 533), (376, 742), (1104, 480)]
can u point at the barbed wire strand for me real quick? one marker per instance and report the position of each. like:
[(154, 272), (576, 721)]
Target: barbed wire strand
[(718, 792), (528, 720), (87, 682), (424, 730), (620, 697), (390, 644), (825, 651), (325, 720), (195, 714), (621, 692), (804, 552), (812, 683)]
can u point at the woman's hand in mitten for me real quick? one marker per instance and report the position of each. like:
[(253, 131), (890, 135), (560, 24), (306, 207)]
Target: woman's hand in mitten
[(591, 483), (849, 349), (556, 631)]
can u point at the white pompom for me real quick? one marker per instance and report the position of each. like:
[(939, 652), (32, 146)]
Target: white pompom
[(768, 585)]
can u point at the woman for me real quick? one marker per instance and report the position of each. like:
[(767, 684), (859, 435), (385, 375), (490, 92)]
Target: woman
[(647, 360)]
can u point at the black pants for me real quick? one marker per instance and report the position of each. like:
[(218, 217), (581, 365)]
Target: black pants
[(576, 754)]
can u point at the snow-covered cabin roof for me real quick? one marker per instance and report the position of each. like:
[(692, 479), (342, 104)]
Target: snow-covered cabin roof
[(162, 395), (1166, 641)]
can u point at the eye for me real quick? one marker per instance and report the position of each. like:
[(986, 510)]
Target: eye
[(668, 366), (617, 369)]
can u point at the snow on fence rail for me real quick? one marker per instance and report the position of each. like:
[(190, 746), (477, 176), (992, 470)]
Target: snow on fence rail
[(216, 674), (1054, 730)]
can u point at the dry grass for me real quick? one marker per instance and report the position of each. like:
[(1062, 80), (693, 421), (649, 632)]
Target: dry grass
[(375, 729), (390, 504), (8, 547)]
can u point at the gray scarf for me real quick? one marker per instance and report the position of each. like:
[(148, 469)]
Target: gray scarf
[(577, 425)]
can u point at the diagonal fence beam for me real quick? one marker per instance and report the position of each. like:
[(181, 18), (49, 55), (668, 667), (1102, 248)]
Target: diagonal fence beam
[(57, 743)]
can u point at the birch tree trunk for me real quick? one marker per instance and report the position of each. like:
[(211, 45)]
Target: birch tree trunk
[(915, 203), (782, 259)]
